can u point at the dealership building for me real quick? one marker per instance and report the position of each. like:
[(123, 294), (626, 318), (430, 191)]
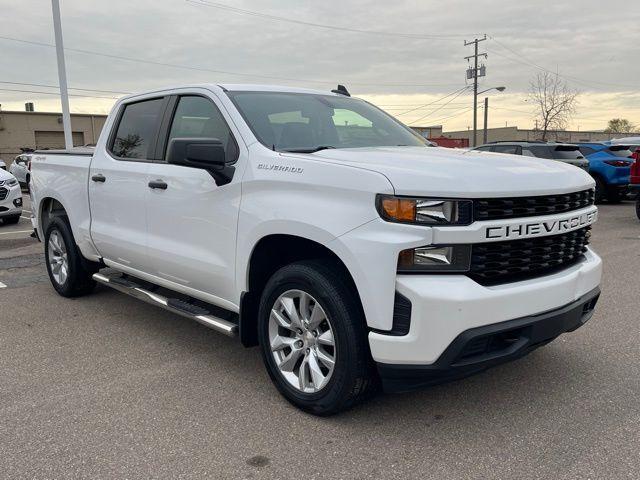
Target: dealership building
[(35, 130)]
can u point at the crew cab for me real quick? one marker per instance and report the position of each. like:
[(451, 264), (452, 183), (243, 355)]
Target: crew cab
[(318, 227)]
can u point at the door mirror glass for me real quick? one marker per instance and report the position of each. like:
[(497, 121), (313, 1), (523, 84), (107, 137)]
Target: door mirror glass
[(196, 152)]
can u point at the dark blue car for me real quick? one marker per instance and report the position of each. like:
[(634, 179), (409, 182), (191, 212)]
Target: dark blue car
[(609, 165)]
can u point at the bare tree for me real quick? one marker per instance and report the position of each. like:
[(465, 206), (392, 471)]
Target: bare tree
[(555, 102), (620, 125)]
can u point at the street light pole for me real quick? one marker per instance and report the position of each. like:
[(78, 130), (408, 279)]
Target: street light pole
[(486, 116), (62, 75)]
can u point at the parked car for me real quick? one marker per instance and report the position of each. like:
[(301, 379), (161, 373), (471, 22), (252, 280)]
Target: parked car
[(634, 178), (20, 168), (562, 152), (318, 227), (10, 198), (609, 165)]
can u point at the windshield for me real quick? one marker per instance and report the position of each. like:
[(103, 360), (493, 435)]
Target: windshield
[(304, 122)]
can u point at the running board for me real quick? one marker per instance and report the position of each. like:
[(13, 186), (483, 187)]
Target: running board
[(174, 305)]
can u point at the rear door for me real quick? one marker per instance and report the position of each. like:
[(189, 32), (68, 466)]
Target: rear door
[(192, 221), (118, 183)]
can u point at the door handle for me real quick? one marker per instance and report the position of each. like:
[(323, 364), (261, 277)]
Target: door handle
[(99, 178), (158, 184)]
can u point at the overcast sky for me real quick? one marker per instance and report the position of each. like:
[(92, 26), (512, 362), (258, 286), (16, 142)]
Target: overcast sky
[(419, 59)]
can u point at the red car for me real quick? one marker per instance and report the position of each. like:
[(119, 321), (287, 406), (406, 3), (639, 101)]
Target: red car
[(634, 181)]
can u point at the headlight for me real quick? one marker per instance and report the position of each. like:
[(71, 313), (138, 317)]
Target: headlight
[(12, 183), (450, 258), (424, 211)]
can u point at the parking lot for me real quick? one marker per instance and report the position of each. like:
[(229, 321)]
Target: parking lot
[(106, 386)]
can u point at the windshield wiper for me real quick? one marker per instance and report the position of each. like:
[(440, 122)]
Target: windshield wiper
[(308, 150)]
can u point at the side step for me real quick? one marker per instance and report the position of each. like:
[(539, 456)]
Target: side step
[(174, 305)]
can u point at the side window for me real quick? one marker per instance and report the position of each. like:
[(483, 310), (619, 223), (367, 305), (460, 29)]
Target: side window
[(513, 149), (484, 149), (527, 153), (198, 117), (135, 136), (541, 151), (586, 151)]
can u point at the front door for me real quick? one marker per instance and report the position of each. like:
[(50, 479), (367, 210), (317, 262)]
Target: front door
[(192, 221), (118, 184)]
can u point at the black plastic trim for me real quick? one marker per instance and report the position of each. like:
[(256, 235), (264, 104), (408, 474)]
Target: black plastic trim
[(528, 334)]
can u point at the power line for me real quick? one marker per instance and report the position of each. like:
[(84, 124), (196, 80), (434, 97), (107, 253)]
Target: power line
[(209, 70), (56, 86), (435, 101), (466, 110), (522, 59), (53, 93), (252, 13), (441, 107)]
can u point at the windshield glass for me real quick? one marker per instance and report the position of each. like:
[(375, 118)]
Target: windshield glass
[(310, 122)]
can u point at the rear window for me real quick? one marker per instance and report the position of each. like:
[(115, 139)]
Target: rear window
[(136, 134), (620, 150), (567, 152)]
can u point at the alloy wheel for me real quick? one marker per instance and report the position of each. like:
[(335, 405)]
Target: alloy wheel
[(302, 341), (57, 257)]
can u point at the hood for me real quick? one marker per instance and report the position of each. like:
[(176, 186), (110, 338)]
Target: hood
[(5, 175), (446, 172)]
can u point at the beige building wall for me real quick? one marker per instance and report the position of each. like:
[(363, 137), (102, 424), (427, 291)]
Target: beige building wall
[(515, 134), (44, 130)]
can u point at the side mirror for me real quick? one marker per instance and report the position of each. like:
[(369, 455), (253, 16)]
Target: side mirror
[(205, 153), (196, 152)]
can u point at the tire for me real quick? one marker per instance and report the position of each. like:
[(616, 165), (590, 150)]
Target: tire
[(614, 195), (601, 189), (72, 278), (638, 207), (11, 220), (352, 377)]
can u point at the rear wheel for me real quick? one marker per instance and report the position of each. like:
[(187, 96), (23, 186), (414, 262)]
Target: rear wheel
[(313, 338), (70, 273), (638, 206), (11, 220), (614, 195)]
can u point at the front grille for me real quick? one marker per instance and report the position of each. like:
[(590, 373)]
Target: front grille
[(500, 208), (3, 193), (514, 260)]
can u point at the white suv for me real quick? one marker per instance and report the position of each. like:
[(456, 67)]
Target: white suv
[(10, 198)]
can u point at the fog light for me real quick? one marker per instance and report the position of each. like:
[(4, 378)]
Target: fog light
[(18, 202), (450, 258)]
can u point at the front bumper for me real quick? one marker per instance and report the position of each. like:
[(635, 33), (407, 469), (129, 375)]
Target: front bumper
[(12, 203), (479, 348), (444, 306)]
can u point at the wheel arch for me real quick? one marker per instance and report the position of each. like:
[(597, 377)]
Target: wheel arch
[(268, 255)]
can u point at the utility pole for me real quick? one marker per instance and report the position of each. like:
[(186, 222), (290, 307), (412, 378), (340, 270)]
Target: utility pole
[(62, 75), (486, 117), (474, 73)]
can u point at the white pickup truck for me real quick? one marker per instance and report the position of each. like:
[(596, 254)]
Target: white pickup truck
[(320, 228)]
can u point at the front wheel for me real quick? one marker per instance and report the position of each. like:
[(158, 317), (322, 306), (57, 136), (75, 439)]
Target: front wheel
[(69, 272), (313, 338), (638, 206)]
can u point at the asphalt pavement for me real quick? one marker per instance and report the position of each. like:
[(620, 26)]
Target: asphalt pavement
[(106, 386)]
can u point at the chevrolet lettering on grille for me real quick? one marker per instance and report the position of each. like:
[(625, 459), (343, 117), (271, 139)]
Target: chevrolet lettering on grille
[(546, 227)]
